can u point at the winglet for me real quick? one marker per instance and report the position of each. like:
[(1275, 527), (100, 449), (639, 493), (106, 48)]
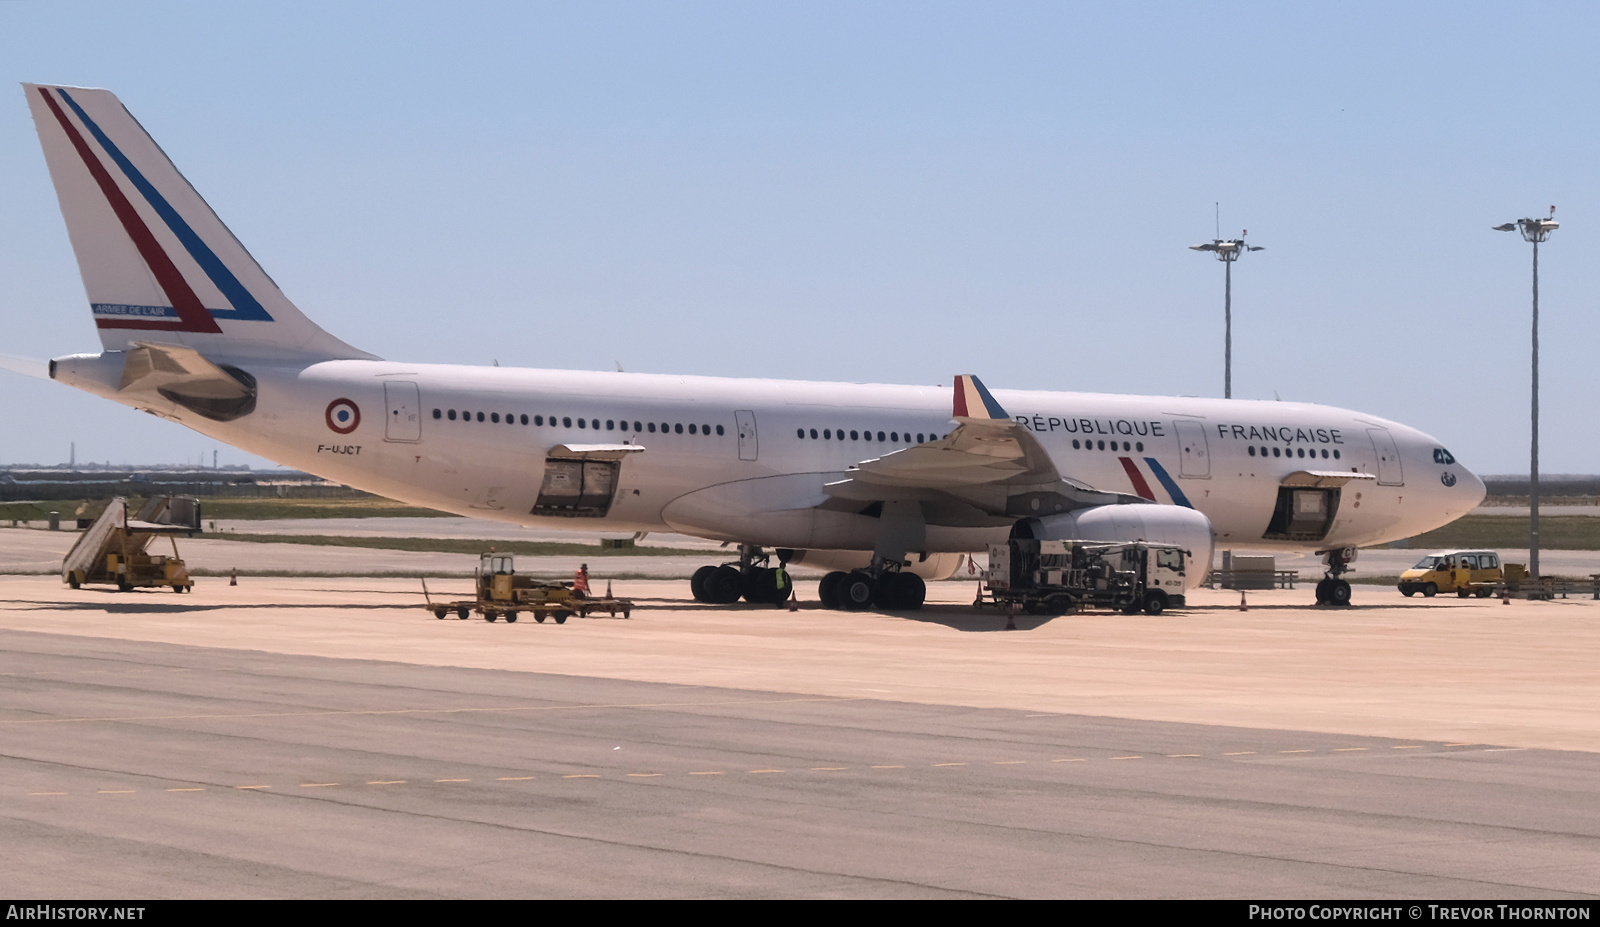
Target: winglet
[(972, 400)]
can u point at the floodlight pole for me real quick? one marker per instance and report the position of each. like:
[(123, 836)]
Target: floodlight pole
[(1227, 251), (1534, 231)]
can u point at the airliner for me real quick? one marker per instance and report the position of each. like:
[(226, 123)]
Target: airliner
[(884, 486)]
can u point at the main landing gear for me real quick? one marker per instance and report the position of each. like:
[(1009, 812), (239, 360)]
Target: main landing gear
[(750, 579), (1332, 590), (891, 590)]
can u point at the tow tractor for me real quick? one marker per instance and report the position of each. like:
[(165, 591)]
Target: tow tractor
[(502, 592), (1054, 577)]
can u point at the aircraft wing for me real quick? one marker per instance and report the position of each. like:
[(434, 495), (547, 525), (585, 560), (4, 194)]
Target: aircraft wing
[(986, 449)]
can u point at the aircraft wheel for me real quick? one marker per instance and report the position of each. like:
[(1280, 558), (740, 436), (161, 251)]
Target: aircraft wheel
[(511, 617), (1407, 591), (1322, 591), (72, 581), (1462, 592), (1338, 592), (1155, 602), (539, 617), (828, 589), (1430, 590), (909, 591), (1485, 593), (490, 615), (439, 613), (857, 590), (561, 617), (124, 587), (697, 583), (462, 613), (759, 586), (1058, 605), (724, 586)]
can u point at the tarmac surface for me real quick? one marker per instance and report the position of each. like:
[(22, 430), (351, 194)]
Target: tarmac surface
[(324, 737)]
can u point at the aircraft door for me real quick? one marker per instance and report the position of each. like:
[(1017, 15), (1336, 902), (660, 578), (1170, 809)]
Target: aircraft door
[(403, 418), (1196, 462), (1390, 472), (748, 448)]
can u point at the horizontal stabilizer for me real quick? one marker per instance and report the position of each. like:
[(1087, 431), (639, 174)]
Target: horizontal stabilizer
[(152, 367)]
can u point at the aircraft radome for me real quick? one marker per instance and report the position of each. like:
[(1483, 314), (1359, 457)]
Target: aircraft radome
[(891, 483)]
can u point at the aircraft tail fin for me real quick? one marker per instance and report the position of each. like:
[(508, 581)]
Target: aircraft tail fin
[(973, 402), (157, 263)]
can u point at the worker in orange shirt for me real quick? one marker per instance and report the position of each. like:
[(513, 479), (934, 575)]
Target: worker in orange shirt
[(580, 580)]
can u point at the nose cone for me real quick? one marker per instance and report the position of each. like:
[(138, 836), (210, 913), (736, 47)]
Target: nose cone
[(1472, 488)]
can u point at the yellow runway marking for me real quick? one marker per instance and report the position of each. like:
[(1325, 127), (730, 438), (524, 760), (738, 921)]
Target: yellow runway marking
[(317, 785), (1127, 758), (116, 791), (707, 772), (1348, 749), (1070, 759), (888, 767), (1461, 745), (47, 793), (252, 786), (186, 790), (949, 764), (755, 771), (387, 782), (452, 780), (513, 779), (1294, 751), (828, 768), (1241, 753), (1009, 762), (643, 775), (1410, 747), (582, 776), (1181, 755)]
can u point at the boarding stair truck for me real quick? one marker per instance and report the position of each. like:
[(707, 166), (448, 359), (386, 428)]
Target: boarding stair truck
[(503, 592), (1053, 577), (114, 549)]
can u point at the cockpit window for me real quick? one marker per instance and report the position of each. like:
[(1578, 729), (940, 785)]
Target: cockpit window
[(1442, 456)]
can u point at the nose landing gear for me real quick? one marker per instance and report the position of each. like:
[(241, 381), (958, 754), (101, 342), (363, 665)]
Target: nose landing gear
[(1332, 590)]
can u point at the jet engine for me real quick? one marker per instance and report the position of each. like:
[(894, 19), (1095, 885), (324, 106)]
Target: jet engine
[(1165, 524)]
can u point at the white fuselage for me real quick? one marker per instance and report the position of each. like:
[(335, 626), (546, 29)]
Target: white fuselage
[(760, 483)]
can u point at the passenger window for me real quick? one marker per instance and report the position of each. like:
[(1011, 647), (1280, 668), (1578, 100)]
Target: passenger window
[(1275, 452), (839, 434), (636, 426), (920, 441), (1324, 453), (814, 433), (524, 418), (894, 436), (437, 413), (494, 417), (1102, 445), (451, 415), (827, 433), (880, 436), (678, 428), (1139, 446), (480, 416), (611, 425), (538, 420), (1336, 454), (1252, 452), (582, 423), (652, 427), (566, 423), (854, 435), (719, 429)]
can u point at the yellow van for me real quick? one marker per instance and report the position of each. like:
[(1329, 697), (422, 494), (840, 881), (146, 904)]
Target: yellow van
[(1463, 572)]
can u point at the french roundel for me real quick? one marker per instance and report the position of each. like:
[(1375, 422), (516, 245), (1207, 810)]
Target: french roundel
[(343, 416)]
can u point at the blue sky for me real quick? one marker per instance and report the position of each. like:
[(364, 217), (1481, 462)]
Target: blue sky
[(864, 192)]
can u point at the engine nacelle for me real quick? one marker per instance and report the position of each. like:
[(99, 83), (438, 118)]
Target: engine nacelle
[(1164, 524)]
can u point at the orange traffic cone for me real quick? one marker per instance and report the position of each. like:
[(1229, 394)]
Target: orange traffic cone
[(233, 578), (1243, 605), (794, 598)]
